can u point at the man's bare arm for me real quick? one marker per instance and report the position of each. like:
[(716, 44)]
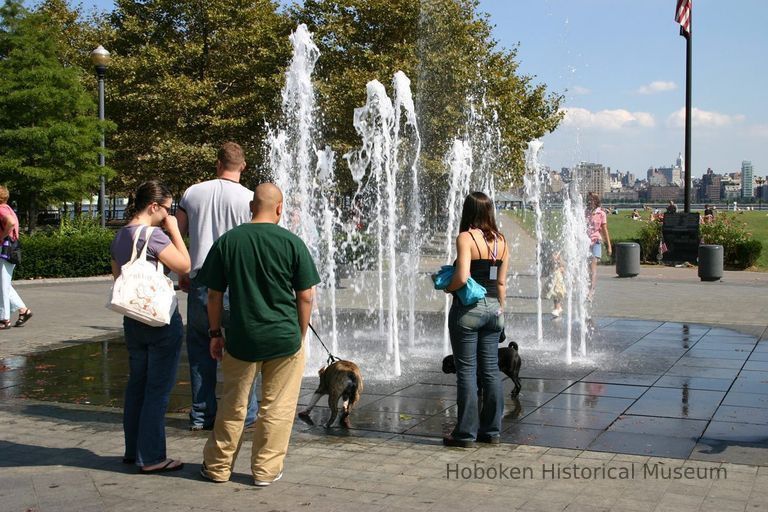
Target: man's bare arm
[(215, 309), (304, 307)]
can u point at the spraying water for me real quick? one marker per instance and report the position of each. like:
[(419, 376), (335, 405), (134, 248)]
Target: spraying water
[(375, 167), (458, 161), (575, 248), (404, 102), (305, 175), (533, 191)]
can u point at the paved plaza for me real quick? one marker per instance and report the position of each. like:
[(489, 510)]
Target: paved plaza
[(669, 411)]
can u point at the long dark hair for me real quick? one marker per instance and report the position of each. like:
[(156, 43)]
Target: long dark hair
[(149, 192), (478, 213)]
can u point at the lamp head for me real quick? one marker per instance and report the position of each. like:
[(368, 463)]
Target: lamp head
[(100, 57)]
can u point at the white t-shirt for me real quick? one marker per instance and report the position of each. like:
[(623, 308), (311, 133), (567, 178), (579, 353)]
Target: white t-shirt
[(213, 208)]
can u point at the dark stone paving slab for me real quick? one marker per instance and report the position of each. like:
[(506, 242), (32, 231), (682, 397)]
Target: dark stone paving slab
[(547, 435), (576, 418), (738, 414), (706, 362), (646, 388), (643, 444), (677, 381), (678, 403), (749, 386), (590, 403), (630, 379), (741, 399), (612, 390), (652, 425)]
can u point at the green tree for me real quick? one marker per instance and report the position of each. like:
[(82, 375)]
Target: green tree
[(189, 75), (446, 48), (49, 131)]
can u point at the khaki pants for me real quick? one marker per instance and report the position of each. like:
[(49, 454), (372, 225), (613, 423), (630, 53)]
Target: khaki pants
[(281, 382)]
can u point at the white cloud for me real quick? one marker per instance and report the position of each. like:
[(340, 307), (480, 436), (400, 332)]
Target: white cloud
[(606, 119), (580, 91), (703, 119), (657, 87)]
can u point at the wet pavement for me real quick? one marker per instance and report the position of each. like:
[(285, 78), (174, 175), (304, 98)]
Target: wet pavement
[(648, 388)]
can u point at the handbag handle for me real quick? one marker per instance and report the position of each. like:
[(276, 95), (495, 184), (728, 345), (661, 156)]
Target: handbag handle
[(143, 255)]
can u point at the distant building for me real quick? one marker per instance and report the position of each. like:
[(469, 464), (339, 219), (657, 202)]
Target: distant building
[(628, 180), (731, 191), (624, 194), (593, 178), (711, 185), (658, 194), (656, 178), (747, 182)]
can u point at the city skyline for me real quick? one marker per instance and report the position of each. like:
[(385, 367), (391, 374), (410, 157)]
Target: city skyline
[(621, 68), (622, 65)]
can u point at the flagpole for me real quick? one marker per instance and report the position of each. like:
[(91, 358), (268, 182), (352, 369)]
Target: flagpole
[(688, 66)]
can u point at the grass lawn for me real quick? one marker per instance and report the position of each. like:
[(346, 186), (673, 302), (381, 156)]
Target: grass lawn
[(622, 227)]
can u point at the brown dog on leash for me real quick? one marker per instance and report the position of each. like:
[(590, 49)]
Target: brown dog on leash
[(341, 379)]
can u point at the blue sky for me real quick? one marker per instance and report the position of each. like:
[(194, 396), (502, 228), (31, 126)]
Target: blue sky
[(621, 65)]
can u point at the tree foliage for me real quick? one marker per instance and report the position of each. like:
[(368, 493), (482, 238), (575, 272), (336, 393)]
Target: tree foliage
[(188, 76), (49, 131), (446, 48)]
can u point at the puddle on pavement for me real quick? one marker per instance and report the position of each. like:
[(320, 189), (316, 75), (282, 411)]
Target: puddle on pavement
[(90, 373)]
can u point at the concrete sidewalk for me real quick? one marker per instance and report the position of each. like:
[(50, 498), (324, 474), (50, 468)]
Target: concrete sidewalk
[(61, 457)]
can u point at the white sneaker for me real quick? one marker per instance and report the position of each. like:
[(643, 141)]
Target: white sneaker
[(557, 312), (261, 483)]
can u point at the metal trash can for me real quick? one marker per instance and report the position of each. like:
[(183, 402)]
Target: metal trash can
[(627, 259), (710, 262)]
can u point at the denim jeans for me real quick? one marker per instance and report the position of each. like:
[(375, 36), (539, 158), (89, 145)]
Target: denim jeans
[(475, 332), (10, 300), (153, 360), (202, 367)]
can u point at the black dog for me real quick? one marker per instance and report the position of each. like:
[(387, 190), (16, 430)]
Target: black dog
[(509, 364)]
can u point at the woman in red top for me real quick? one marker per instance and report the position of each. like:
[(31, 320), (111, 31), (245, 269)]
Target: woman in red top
[(10, 300)]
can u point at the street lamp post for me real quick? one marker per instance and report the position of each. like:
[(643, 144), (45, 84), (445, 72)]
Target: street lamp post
[(100, 59)]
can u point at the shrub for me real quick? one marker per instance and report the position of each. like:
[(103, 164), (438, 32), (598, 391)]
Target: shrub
[(739, 250), (75, 249), (650, 237), (747, 253)]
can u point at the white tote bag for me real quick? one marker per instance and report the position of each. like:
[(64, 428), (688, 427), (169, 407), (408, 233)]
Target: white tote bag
[(142, 291)]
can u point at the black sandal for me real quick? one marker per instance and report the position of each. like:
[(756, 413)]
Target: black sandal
[(5, 324), (23, 317)]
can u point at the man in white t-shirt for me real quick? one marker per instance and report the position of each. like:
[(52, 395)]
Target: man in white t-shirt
[(206, 211)]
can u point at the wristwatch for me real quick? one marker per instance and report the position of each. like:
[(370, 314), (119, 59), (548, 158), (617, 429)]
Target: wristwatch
[(215, 333)]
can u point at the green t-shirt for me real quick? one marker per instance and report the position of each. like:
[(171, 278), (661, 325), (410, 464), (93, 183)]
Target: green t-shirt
[(263, 264)]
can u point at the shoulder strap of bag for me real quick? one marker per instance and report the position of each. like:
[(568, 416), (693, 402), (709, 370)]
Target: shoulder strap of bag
[(136, 236), (143, 256)]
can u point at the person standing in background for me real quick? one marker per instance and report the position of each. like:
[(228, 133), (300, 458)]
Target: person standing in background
[(206, 211)]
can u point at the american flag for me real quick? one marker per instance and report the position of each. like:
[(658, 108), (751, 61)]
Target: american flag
[(683, 16)]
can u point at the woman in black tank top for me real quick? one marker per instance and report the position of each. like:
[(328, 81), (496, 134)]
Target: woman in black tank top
[(481, 252)]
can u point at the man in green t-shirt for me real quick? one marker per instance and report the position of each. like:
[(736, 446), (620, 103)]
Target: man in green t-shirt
[(270, 275)]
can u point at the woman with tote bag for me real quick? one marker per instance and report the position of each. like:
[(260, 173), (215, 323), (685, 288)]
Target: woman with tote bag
[(153, 351)]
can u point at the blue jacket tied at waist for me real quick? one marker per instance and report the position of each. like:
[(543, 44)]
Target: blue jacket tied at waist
[(468, 294)]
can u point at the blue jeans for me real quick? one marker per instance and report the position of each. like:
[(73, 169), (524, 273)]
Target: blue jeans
[(153, 360), (202, 367), (475, 332)]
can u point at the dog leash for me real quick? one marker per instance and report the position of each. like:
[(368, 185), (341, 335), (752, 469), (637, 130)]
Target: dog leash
[(331, 357)]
